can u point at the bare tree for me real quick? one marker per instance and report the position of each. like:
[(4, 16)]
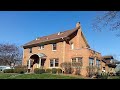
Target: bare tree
[(10, 54), (109, 19)]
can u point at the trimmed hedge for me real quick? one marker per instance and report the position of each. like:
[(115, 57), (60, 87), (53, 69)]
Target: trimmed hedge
[(48, 70), (59, 70), (17, 69), (54, 70), (20, 69), (8, 71), (39, 71)]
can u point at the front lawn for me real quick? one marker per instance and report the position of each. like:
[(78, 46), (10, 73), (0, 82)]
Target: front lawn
[(35, 76)]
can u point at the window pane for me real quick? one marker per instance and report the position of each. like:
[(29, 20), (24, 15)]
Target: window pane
[(56, 63), (98, 63), (73, 59), (30, 50), (41, 46), (72, 46), (54, 46), (91, 61), (79, 59), (51, 63)]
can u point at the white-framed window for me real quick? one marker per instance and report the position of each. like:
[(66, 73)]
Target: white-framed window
[(54, 62), (77, 59), (51, 63), (41, 46), (91, 61), (54, 46), (30, 50), (71, 45), (97, 63)]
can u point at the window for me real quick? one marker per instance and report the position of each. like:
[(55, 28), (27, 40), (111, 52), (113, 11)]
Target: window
[(98, 63), (30, 50), (51, 63), (72, 45), (91, 61), (54, 46), (77, 59), (54, 62), (73, 59), (41, 47)]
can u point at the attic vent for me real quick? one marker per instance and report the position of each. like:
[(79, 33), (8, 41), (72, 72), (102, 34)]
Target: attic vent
[(59, 33), (37, 38)]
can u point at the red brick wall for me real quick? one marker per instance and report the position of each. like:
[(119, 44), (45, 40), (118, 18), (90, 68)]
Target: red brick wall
[(64, 52)]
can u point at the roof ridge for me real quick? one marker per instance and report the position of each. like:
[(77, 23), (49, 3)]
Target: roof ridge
[(56, 33)]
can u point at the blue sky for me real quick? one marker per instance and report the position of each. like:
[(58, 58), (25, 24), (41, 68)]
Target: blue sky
[(20, 27)]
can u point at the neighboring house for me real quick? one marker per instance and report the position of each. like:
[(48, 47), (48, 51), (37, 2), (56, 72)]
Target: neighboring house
[(67, 46), (109, 64)]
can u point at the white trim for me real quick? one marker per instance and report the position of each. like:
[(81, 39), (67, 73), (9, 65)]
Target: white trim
[(54, 63), (29, 64), (39, 62)]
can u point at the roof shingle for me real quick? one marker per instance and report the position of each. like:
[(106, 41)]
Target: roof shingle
[(58, 35)]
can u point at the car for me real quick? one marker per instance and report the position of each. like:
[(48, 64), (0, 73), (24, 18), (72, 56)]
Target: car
[(2, 68)]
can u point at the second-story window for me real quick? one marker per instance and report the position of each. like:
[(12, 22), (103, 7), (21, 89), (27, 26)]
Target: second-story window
[(91, 61), (41, 47), (77, 59), (98, 63), (54, 46), (72, 45), (30, 50)]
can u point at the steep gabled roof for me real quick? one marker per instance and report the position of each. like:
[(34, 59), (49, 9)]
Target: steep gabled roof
[(104, 57), (51, 37), (59, 35)]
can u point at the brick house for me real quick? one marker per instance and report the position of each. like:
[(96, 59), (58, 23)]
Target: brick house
[(67, 46)]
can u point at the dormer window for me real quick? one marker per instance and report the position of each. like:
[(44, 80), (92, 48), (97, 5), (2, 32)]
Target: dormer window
[(41, 47)]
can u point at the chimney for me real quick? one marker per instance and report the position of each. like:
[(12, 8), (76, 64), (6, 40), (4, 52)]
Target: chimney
[(77, 24)]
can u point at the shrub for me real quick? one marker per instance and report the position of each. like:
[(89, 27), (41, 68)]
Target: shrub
[(54, 70), (8, 71), (104, 75), (59, 70), (36, 70), (20, 69), (39, 71), (48, 70), (118, 73)]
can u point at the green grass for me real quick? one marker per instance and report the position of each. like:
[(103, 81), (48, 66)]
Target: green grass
[(35, 76), (114, 77), (5, 76)]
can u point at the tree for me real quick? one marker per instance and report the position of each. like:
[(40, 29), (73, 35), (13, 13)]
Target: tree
[(109, 19), (10, 54)]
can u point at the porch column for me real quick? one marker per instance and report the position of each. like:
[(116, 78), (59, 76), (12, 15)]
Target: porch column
[(39, 62), (29, 64)]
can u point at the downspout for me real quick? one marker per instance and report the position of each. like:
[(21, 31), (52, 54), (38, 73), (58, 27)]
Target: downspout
[(63, 50)]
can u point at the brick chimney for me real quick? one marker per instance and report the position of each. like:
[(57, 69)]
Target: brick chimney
[(77, 24)]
